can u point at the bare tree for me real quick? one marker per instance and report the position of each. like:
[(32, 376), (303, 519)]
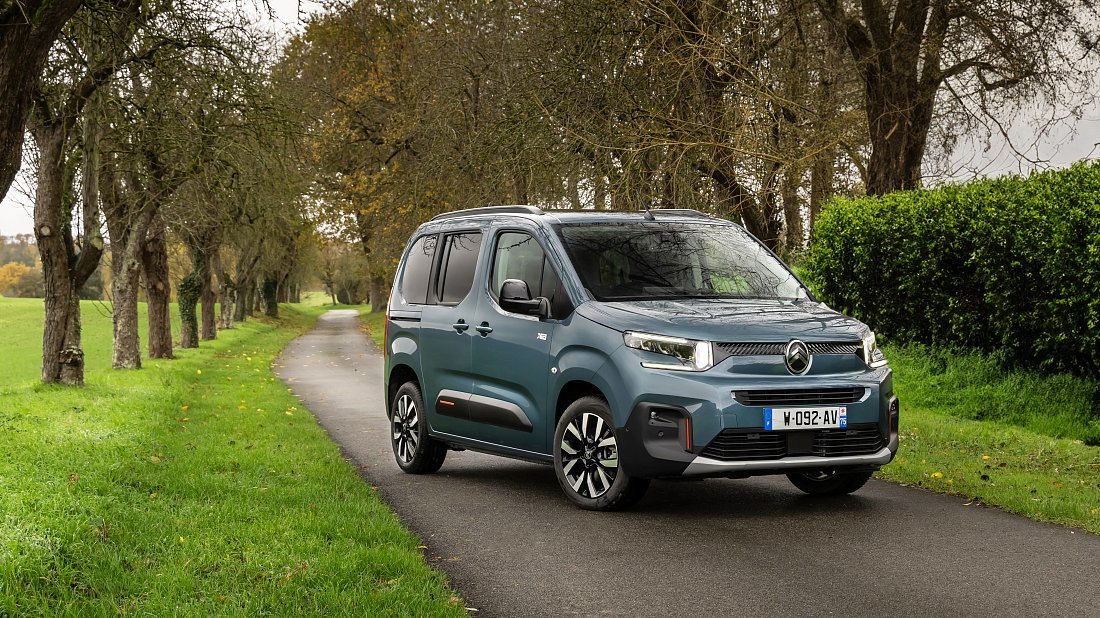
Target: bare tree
[(977, 54)]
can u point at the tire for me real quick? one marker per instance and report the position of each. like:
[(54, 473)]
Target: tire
[(416, 452), (829, 482), (586, 459)]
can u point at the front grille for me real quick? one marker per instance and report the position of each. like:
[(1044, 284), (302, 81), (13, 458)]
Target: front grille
[(856, 440), (749, 445), (735, 445), (799, 397), (777, 349), (835, 348)]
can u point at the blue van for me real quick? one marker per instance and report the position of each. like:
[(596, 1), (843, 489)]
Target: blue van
[(621, 347)]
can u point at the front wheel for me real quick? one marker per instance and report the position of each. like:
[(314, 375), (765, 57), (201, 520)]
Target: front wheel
[(586, 459), (416, 452), (829, 482)]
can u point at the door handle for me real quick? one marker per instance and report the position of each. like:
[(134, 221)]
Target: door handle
[(484, 329), (460, 326)]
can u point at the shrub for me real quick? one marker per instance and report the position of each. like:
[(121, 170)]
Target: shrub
[(1010, 266)]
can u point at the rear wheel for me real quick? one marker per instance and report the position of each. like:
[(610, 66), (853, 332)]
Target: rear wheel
[(416, 452), (829, 482), (586, 459)]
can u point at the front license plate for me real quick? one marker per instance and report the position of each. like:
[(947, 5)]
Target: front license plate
[(784, 419)]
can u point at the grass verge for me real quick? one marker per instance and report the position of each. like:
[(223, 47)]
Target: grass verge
[(1010, 439), (191, 487)]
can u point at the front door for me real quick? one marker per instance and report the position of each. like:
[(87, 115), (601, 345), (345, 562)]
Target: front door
[(511, 352)]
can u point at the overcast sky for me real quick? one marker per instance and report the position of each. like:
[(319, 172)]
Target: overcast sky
[(1066, 145)]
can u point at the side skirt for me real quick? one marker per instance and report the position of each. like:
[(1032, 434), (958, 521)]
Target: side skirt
[(490, 448)]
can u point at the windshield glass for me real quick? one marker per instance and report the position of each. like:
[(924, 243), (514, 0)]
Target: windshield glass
[(642, 260)]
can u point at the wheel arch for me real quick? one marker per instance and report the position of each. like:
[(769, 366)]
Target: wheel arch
[(399, 374), (572, 391)]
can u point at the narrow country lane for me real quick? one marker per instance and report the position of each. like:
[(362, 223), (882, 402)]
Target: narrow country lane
[(514, 546)]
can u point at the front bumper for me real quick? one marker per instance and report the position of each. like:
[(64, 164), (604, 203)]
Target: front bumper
[(705, 466), (665, 440)]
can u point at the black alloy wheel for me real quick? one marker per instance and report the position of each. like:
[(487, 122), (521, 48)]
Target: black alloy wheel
[(416, 452), (586, 459)]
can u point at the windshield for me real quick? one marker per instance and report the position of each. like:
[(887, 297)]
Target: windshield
[(641, 260)]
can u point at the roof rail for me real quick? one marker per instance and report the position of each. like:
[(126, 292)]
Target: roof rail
[(681, 212), (490, 210)]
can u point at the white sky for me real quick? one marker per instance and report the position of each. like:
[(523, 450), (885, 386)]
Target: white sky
[(1065, 145)]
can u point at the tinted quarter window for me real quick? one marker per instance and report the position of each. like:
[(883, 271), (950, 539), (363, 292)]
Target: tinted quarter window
[(418, 267), (519, 256), (459, 261)]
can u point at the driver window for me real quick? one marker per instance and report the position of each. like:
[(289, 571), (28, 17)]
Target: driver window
[(519, 256)]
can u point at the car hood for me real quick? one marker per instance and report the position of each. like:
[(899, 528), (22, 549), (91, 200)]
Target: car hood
[(727, 320)]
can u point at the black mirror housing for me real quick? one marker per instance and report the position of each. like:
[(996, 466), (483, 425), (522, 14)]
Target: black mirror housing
[(515, 296)]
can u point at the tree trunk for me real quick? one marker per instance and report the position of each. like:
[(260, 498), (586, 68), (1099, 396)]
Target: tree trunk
[(189, 291), (378, 295), (64, 269), (154, 262), (72, 354), (128, 221), (271, 300), (284, 289), (227, 296), (793, 237), (226, 291), (899, 83), (244, 296), (126, 349), (208, 330)]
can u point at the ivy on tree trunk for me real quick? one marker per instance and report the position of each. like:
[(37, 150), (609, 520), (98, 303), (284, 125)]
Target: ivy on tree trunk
[(189, 291)]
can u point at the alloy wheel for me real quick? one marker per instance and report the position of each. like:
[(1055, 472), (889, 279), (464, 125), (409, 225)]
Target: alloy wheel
[(405, 428), (589, 455)]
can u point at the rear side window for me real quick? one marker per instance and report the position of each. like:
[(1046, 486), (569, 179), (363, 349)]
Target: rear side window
[(460, 253), (418, 267)]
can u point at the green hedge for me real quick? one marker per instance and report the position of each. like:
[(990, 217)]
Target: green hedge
[(1010, 266)]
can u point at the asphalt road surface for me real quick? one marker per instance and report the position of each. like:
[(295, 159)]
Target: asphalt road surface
[(512, 544)]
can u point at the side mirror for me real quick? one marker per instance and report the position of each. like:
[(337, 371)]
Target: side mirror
[(515, 296)]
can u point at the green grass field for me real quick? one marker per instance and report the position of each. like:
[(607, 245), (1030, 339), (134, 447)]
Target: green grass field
[(196, 486)]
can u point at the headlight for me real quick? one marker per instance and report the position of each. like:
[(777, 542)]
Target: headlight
[(687, 354), (871, 354)]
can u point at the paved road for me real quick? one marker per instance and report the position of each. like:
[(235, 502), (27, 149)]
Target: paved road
[(513, 546)]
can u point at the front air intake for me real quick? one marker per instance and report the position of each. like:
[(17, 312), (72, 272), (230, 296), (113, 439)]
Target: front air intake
[(800, 397)]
